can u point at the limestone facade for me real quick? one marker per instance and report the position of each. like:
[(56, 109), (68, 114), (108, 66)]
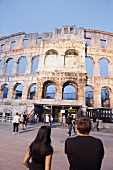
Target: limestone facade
[(61, 62)]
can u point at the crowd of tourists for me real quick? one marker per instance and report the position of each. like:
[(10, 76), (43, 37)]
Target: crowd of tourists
[(20, 121)]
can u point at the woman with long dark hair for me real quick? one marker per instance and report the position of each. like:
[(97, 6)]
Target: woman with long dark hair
[(40, 151)]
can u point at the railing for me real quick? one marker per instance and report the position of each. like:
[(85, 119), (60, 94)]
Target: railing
[(6, 119)]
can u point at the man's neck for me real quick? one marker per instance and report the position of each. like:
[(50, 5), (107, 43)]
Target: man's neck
[(80, 134)]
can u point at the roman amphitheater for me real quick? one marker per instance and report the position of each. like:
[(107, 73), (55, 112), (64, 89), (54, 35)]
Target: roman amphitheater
[(70, 71)]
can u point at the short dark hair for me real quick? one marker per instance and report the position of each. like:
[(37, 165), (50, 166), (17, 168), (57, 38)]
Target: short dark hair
[(84, 125)]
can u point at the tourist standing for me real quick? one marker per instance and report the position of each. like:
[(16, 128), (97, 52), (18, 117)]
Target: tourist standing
[(24, 121), (84, 152), (16, 120), (73, 123), (69, 123), (51, 120), (40, 151), (63, 120), (97, 124)]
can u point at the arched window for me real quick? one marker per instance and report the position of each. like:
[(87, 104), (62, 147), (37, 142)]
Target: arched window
[(89, 96), (9, 66), (22, 65), (69, 92), (70, 58), (104, 68), (49, 90), (5, 91), (35, 63), (51, 56), (18, 91), (89, 66), (105, 97), (32, 91)]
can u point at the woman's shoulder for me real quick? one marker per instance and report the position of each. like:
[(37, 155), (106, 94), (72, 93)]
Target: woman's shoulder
[(49, 150)]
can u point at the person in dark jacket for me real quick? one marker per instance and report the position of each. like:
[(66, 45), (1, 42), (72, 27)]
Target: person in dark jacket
[(40, 151), (84, 152)]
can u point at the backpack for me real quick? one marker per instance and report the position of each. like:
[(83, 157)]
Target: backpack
[(68, 120)]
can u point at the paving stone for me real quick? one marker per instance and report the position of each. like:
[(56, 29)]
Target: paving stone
[(13, 147)]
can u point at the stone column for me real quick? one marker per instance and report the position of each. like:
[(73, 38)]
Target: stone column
[(15, 67), (25, 91), (41, 62), (38, 91), (29, 65), (96, 69), (11, 93), (111, 99), (81, 93), (4, 65), (97, 96), (110, 72), (58, 95)]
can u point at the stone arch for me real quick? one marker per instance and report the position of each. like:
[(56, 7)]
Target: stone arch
[(18, 88), (31, 91), (104, 67), (71, 52), (105, 96), (51, 56), (22, 61), (35, 63), (89, 95), (69, 91), (70, 57), (5, 88), (9, 65), (45, 91), (89, 65), (51, 52)]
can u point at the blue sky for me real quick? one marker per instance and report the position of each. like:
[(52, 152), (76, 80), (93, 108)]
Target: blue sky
[(46, 15), (40, 16)]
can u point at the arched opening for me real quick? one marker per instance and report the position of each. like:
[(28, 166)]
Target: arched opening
[(89, 66), (5, 89), (18, 91), (35, 63), (32, 91), (89, 96), (22, 65), (51, 56), (9, 65), (105, 97), (49, 90), (69, 91), (70, 58), (104, 68)]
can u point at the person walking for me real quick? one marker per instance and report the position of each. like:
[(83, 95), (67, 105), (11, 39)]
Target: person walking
[(84, 152), (15, 121), (24, 121), (51, 120), (69, 123), (97, 124), (63, 120), (40, 151), (73, 124)]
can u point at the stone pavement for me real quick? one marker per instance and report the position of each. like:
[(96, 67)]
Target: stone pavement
[(14, 147)]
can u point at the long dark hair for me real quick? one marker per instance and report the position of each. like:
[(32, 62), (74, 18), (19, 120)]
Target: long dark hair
[(42, 140)]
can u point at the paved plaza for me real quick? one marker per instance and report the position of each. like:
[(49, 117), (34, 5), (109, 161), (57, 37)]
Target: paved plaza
[(14, 147)]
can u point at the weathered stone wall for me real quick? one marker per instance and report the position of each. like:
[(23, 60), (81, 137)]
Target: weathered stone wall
[(57, 67), (96, 52)]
